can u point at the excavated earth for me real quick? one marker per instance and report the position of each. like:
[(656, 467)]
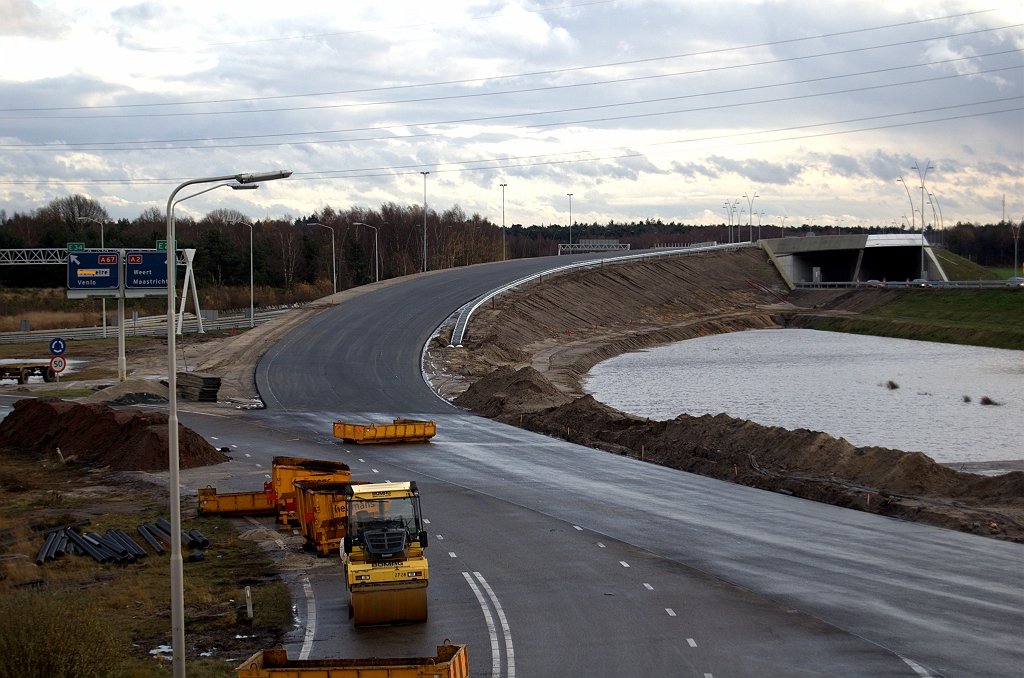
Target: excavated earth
[(523, 360), (99, 435)]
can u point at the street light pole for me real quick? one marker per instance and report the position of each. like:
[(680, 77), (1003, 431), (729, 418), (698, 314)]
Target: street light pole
[(334, 259), (504, 256), (923, 174), (424, 220), (177, 574), (252, 296), (104, 300), (942, 222), (750, 215), (376, 266), (570, 222)]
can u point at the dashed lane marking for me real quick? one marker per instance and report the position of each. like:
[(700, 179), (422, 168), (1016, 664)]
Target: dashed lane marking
[(670, 611), (426, 522), (648, 586), (212, 438), (691, 642), (600, 544), (247, 454), (375, 470), (495, 652), (451, 554), (510, 655), (918, 669), (708, 675), (577, 527), (307, 643), (623, 563), (259, 465), (439, 537), (266, 475)]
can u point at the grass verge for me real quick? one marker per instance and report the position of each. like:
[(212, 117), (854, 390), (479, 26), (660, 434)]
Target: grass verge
[(126, 608), (985, 317)]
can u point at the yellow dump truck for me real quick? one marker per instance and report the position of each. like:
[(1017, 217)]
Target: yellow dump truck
[(401, 431), (385, 567), (289, 470), (322, 509), (237, 503), (451, 662)]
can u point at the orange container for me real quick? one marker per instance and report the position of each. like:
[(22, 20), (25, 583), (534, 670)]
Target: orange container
[(323, 514), (237, 503), (289, 470), (451, 662), (401, 431)]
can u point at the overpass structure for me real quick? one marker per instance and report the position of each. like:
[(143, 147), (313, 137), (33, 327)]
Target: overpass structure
[(846, 258)]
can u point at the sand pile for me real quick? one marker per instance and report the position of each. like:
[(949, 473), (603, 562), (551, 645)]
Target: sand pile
[(810, 464), (130, 387), (125, 440)]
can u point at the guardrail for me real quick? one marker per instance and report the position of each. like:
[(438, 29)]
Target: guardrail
[(150, 326), (467, 311), (937, 284)]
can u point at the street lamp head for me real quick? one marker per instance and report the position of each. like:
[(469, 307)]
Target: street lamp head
[(262, 176), (244, 187)]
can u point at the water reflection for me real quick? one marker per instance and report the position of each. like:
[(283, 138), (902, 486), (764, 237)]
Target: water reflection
[(836, 383)]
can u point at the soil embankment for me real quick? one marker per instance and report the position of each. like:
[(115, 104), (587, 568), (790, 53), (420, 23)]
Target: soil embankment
[(523, 361), (99, 435)]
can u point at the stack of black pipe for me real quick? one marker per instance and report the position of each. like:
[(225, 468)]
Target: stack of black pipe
[(115, 546)]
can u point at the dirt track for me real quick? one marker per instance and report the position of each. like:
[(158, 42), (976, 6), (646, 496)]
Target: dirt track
[(522, 363)]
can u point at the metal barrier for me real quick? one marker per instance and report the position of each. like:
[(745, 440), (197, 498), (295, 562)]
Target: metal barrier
[(150, 326), (466, 312), (936, 284)]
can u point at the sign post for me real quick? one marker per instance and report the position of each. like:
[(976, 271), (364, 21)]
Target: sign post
[(57, 365)]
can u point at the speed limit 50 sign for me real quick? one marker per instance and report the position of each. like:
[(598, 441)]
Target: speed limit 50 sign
[(58, 364)]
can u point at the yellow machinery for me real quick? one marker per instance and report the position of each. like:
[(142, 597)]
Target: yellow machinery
[(401, 431), (289, 470), (451, 662), (322, 509), (237, 503), (385, 567)]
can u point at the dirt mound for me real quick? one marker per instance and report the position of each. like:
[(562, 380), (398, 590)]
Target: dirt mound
[(129, 386), (506, 390), (125, 440), (810, 464)]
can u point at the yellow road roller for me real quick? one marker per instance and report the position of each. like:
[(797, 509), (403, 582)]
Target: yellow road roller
[(385, 567)]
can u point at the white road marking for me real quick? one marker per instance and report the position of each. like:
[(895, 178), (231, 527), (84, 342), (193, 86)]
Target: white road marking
[(577, 527), (510, 655), (248, 455), (708, 675), (236, 447), (363, 460), (623, 563), (259, 465), (266, 475), (426, 522), (375, 470), (495, 653), (451, 554), (670, 611), (691, 642), (918, 669), (648, 586), (439, 537), (600, 544), (307, 643), (212, 438)]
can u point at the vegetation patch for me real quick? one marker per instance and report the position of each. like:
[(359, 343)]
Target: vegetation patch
[(977, 317), (121, 613)]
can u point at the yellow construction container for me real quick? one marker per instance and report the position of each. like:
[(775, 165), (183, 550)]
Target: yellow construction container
[(323, 514), (289, 470), (451, 662), (401, 431), (237, 503)]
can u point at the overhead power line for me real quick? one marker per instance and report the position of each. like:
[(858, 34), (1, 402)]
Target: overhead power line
[(478, 81)]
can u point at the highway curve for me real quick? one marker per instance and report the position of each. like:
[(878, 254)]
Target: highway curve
[(554, 559)]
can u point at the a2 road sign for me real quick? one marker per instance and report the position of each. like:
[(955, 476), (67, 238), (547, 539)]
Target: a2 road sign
[(145, 270)]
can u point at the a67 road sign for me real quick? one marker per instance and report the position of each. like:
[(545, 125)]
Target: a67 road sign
[(58, 364)]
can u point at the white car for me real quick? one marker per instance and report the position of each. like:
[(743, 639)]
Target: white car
[(1015, 281)]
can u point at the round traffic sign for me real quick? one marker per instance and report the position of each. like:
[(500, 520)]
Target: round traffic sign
[(58, 346), (58, 364)]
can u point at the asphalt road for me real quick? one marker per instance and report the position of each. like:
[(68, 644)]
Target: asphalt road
[(763, 584)]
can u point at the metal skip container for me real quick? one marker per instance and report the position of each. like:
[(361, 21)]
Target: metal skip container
[(322, 510), (451, 662), (401, 431)]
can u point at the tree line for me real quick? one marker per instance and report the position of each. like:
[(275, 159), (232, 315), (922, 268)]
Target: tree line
[(287, 252)]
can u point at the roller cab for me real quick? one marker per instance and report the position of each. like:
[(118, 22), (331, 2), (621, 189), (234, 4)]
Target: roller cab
[(385, 566)]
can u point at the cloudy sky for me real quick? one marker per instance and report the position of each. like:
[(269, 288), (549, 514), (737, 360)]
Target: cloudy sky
[(639, 108)]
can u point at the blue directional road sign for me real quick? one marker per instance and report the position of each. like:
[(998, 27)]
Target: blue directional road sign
[(94, 270), (145, 270), (57, 346)]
